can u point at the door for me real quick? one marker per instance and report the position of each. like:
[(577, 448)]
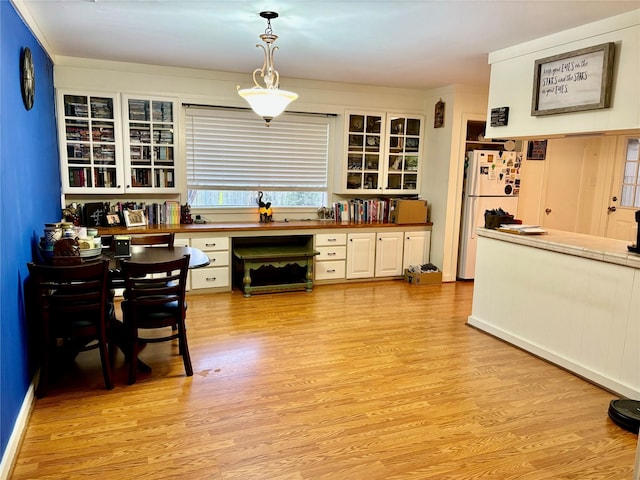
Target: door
[(624, 200), (389, 254), (416, 249), (571, 181), (360, 255), (490, 173)]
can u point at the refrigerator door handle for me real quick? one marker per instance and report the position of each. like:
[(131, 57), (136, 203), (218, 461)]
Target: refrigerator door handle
[(474, 173), (473, 206)]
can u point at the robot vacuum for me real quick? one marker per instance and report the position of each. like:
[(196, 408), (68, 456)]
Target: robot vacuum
[(626, 413)]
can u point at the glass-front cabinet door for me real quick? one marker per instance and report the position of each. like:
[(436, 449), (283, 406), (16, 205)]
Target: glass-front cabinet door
[(403, 154), (365, 140), (150, 144), (90, 148), (384, 153)]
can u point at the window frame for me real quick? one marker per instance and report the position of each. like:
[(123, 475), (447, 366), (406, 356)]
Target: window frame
[(246, 115)]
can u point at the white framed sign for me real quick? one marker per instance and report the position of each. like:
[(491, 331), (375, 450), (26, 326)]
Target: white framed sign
[(574, 81)]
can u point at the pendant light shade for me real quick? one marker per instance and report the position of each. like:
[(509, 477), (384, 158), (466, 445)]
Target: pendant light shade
[(267, 100)]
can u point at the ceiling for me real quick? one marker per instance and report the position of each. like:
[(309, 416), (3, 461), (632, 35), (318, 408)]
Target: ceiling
[(399, 43)]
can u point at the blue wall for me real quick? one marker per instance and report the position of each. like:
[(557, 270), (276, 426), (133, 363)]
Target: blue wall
[(29, 197)]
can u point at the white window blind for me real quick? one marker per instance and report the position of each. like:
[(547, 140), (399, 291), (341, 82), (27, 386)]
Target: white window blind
[(234, 150)]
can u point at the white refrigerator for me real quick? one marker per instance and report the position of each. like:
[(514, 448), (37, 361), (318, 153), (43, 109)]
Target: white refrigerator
[(492, 182)]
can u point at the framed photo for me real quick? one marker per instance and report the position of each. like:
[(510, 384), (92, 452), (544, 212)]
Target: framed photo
[(135, 218), (574, 81), (113, 219), (438, 114), (536, 150)]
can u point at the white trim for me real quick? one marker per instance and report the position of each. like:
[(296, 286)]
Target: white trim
[(32, 25), (576, 368), (636, 475), (19, 429)]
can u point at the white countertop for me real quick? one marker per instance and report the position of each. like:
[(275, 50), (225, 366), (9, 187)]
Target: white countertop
[(587, 246)]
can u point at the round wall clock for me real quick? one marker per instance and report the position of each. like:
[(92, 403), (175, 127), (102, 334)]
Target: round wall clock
[(27, 78)]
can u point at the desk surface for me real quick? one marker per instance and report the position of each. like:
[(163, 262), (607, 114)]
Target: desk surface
[(273, 251)]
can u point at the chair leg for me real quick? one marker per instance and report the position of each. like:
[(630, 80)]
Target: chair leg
[(45, 372), (133, 361), (105, 358), (184, 349)]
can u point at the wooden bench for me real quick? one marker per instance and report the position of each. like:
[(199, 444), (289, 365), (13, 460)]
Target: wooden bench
[(254, 257)]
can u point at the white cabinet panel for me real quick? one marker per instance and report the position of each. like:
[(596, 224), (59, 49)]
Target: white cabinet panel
[(339, 252), (361, 249), (330, 270), (210, 243), (388, 254), (416, 248), (210, 277), (218, 273), (327, 239)]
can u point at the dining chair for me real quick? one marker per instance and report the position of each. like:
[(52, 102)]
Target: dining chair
[(151, 303), (75, 313), (157, 239)]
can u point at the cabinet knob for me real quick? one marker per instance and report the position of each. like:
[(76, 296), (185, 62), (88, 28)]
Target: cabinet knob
[(331, 239), (211, 279), (209, 244), (331, 270), (330, 254)]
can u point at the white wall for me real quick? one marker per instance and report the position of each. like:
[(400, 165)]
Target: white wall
[(219, 89), (444, 147), (512, 73), (445, 169)]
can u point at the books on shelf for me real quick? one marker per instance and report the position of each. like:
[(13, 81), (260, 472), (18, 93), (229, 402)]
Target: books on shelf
[(362, 211)]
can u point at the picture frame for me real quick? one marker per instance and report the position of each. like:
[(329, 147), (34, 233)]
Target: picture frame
[(113, 219), (536, 150), (574, 81), (438, 114), (135, 218)]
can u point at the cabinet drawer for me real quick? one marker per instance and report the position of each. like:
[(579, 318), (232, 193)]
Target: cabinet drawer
[(326, 239), (339, 252), (209, 277), (218, 258), (330, 270), (211, 243)]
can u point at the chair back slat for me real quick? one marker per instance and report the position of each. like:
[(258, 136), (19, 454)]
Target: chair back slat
[(155, 239)]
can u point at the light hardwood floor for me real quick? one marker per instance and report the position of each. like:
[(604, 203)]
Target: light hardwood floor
[(367, 381)]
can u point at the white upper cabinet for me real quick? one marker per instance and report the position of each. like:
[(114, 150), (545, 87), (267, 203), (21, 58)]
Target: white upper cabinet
[(106, 148), (383, 153), (90, 142), (150, 146)]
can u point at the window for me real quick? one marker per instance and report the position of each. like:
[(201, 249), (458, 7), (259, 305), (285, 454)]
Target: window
[(231, 155), (631, 179)]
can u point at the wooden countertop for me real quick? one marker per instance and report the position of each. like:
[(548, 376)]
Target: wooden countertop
[(251, 226), (578, 244)]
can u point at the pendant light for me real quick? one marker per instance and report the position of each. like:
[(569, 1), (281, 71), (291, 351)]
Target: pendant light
[(267, 100)]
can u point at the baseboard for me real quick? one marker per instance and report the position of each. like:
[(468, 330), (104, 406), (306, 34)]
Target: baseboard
[(568, 364), (19, 428)]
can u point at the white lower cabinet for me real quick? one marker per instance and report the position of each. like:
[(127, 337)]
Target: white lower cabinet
[(361, 250), (330, 264), (388, 254), (217, 274), (416, 248)]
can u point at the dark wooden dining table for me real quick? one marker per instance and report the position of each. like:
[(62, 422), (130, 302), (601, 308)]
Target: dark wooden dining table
[(146, 254)]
